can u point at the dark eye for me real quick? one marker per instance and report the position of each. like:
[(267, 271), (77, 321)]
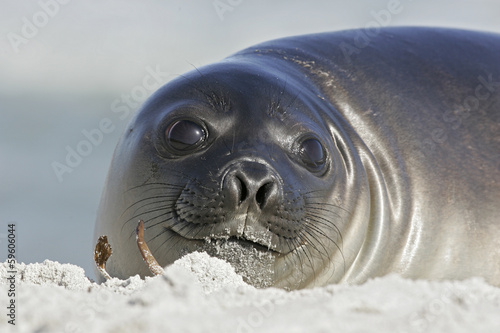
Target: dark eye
[(312, 154), (185, 135)]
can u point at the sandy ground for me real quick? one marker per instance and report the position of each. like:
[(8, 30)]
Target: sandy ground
[(199, 293)]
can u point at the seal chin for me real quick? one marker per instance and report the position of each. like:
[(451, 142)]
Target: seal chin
[(256, 263), (260, 266), (261, 257)]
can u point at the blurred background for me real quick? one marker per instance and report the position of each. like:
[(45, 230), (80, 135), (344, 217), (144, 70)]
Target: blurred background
[(68, 66)]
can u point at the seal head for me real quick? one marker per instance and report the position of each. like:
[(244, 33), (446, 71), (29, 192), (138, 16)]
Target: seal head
[(302, 165)]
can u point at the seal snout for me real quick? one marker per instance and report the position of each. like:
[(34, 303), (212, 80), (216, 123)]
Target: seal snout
[(250, 187)]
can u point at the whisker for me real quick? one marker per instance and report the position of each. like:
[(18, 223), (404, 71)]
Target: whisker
[(148, 204), (327, 223)]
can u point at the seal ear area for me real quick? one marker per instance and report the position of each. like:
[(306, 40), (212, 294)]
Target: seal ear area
[(309, 151)]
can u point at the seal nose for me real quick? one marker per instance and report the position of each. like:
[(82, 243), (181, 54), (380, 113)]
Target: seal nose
[(250, 184)]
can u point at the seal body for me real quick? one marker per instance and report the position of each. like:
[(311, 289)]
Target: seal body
[(317, 159)]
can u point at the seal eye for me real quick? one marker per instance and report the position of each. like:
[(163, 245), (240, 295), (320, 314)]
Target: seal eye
[(185, 135), (312, 154)]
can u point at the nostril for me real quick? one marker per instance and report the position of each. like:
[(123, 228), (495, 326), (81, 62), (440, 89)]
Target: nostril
[(263, 194), (243, 190), (250, 187)]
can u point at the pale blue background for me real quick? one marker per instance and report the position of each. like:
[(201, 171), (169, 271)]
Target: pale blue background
[(65, 79)]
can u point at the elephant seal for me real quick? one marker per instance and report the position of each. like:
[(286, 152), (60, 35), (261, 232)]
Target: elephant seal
[(324, 158)]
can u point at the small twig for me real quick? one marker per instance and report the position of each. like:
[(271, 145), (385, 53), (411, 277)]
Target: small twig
[(153, 265), (102, 253)]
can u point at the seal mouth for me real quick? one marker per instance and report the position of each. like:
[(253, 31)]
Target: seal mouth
[(243, 241), (263, 240)]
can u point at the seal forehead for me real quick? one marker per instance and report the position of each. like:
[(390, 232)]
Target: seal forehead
[(238, 94), (242, 81)]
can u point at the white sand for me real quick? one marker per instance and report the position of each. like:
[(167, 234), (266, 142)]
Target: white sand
[(203, 294)]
